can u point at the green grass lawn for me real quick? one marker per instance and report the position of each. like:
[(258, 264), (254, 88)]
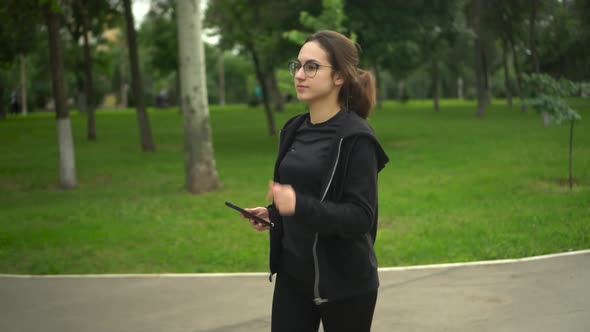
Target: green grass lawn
[(457, 188)]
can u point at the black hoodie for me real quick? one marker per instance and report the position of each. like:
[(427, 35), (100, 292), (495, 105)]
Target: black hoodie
[(344, 220)]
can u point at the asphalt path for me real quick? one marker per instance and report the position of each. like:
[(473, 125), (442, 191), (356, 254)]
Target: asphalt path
[(538, 294)]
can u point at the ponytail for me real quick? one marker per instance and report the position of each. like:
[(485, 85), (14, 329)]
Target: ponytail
[(358, 94)]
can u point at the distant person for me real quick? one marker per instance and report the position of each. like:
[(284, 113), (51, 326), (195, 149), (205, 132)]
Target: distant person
[(258, 93), (14, 104), (324, 195), (162, 99)]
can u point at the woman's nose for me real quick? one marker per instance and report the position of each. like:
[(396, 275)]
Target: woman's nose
[(300, 74)]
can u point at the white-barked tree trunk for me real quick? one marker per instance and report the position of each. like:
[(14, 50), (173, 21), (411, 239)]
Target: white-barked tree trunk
[(67, 161), (200, 170), (23, 84)]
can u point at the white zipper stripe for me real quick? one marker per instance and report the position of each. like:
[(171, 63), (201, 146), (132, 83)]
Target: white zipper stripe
[(316, 284), (333, 170)]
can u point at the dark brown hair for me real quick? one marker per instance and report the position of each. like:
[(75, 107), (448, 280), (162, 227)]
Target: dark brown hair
[(358, 91)]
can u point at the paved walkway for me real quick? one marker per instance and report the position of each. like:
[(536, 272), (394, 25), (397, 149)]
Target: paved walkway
[(549, 293)]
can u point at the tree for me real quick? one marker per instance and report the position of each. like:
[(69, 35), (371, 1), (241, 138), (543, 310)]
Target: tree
[(564, 26), (158, 46), (123, 75), (146, 139), (158, 36), (85, 18), (506, 19), (481, 68), (37, 64), (398, 36), (515, 62), (439, 32), (534, 6), (549, 97), (238, 75), (23, 84), (67, 162), (237, 23), (258, 31), (18, 34), (506, 67), (331, 18), (387, 32), (200, 171), (221, 79)]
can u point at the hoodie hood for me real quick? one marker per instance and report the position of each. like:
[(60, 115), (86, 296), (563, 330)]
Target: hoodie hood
[(355, 126)]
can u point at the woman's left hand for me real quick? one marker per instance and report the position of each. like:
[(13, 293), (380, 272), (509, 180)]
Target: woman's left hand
[(283, 196)]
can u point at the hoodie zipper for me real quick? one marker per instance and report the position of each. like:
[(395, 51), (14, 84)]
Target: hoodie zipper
[(269, 247), (316, 285)]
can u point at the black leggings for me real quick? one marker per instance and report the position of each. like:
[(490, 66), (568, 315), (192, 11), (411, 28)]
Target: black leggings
[(293, 309)]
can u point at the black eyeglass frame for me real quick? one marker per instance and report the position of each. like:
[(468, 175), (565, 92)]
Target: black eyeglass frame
[(295, 66)]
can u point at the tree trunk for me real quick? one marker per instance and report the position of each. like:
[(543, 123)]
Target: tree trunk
[(275, 91), (221, 72), (519, 84), (401, 91), (82, 102), (480, 79), (460, 88), (435, 85), (67, 164), (23, 84), (378, 86), (261, 80), (2, 107), (533, 47), (571, 167), (147, 142), (89, 81), (533, 35), (506, 72), (123, 87), (486, 74), (200, 171), (178, 91)]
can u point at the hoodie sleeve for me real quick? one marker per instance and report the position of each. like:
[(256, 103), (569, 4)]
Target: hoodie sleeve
[(354, 213)]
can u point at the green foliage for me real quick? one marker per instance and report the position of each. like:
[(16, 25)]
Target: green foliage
[(157, 39), (405, 40), (331, 18), (549, 96), (158, 35), (257, 28), (401, 36), (561, 36), (19, 19)]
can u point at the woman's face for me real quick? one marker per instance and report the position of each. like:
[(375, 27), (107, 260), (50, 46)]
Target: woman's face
[(324, 84)]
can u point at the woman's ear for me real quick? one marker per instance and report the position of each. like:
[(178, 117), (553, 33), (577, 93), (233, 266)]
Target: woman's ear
[(338, 79)]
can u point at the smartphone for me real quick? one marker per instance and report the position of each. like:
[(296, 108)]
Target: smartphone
[(250, 215)]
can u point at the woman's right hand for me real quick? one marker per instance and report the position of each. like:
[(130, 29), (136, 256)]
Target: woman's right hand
[(261, 212)]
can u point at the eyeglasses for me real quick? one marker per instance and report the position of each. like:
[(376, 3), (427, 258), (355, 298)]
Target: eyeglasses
[(309, 68)]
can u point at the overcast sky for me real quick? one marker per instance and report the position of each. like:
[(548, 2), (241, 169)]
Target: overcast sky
[(142, 7)]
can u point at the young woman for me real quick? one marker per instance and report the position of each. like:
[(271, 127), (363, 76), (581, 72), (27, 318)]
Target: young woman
[(324, 195)]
